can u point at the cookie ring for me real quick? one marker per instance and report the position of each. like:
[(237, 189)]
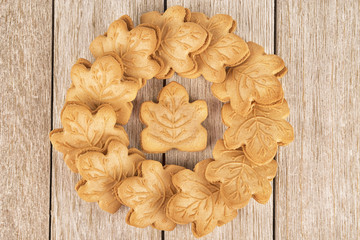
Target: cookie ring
[(192, 45)]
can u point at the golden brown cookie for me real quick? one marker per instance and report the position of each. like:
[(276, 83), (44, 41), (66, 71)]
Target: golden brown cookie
[(240, 179), (173, 122), (198, 201), (135, 47), (256, 81), (103, 82), (259, 133), (147, 195), (83, 128), (225, 48), (180, 40), (102, 169)]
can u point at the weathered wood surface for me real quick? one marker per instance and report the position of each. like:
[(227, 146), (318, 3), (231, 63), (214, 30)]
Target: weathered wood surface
[(25, 116), (317, 190), (317, 187)]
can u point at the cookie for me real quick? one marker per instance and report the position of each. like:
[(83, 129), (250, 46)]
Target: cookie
[(103, 82), (256, 81), (102, 169), (259, 133), (225, 48), (147, 195), (135, 47), (240, 179), (173, 122), (198, 201), (83, 128), (180, 40)]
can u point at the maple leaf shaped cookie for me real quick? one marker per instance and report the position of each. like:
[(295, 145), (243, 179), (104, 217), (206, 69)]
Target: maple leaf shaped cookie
[(240, 178), (198, 201), (180, 40), (259, 133), (83, 128), (135, 46), (225, 48), (148, 194), (256, 81), (103, 169), (173, 122), (102, 83)]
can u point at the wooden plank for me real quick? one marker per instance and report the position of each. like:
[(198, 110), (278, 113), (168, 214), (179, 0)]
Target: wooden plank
[(256, 23), (76, 25), (317, 189), (25, 118)]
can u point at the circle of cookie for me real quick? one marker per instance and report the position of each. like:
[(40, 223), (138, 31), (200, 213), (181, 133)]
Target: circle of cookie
[(99, 101)]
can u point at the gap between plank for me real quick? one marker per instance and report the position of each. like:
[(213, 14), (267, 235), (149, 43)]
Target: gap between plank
[(274, 181), (51, 107), (163, 155)]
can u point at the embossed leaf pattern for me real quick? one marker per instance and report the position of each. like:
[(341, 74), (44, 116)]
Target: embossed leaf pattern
[(102, 83), (254, 81), (148, 194), (135, 46), (225, 48), (259, 133), (180, 40), (173, 122), (221, 152), (240, 178), (83, 128), (102, 170), (198, 201)]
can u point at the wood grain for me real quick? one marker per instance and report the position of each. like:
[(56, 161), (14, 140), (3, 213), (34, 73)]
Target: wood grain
[(25, 116), (317, 188), (256, 23), (76, 25)]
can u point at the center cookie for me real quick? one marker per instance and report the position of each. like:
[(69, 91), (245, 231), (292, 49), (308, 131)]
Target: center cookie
[(174, 122)]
